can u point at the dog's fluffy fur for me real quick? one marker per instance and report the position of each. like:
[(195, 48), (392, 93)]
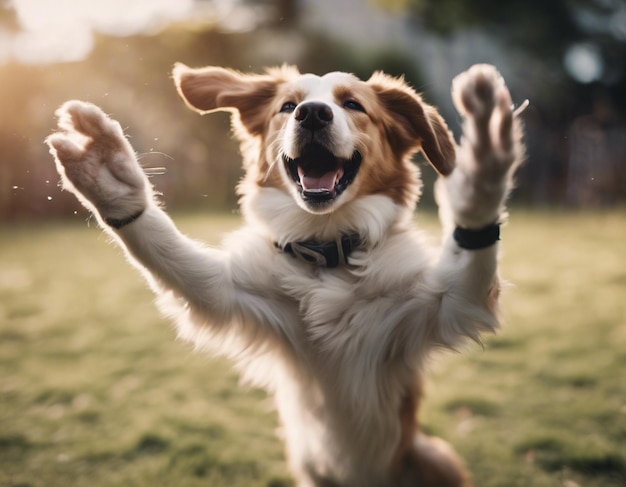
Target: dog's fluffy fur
[(342, 349)]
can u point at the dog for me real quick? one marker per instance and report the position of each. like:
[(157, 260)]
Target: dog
[(326, 297)]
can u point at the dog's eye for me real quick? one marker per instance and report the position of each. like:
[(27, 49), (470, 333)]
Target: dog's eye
[(288, 107), (353, 105)]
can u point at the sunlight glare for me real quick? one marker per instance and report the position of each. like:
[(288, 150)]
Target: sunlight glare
[(64, 32)]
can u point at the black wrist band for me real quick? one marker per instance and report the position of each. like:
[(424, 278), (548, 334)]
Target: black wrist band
[(477, 239), (118, 223)]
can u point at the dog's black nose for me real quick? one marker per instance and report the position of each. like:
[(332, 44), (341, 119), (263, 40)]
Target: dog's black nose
[(314, 115)]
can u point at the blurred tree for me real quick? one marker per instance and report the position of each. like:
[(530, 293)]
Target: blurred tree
[(287, 12), (568, 55), (581, 47), (569, 36), (545, 26)]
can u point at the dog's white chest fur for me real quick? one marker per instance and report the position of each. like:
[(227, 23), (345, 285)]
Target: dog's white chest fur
[(344, 369)]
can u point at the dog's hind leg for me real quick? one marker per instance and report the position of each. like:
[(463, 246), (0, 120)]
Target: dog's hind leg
[(431, 462), (421, 460)]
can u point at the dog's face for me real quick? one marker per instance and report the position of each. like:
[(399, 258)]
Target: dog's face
[(318, 140), (326, 140)]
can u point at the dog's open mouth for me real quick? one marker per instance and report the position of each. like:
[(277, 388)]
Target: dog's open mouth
[(320, 175)]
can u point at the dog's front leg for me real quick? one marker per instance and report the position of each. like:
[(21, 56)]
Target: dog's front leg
[(97, 163), (472, 203), (490, 148)]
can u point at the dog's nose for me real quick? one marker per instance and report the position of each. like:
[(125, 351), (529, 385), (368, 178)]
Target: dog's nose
[(314, 115)]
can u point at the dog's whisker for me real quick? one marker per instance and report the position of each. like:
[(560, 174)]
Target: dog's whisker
[(269, 171), (275, 147), (155, 171), (277, 141), (520, 109), (158, 153)]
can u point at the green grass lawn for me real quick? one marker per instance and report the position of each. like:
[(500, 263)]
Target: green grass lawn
[(95, 390)]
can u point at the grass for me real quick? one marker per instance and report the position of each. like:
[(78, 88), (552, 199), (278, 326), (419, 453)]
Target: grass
[(95, 390)]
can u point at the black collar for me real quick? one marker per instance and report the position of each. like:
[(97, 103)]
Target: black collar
[(323, 254)]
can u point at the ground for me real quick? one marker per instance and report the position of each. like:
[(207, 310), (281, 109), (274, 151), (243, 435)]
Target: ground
[(95, 389)]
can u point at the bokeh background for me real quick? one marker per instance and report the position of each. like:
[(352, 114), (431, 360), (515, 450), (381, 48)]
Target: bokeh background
[(568, 57), (94, 388)]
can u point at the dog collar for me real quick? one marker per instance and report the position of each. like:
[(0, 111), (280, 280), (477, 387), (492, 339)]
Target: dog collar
[(323, 254)]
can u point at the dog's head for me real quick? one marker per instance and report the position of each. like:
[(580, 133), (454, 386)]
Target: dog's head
[(326, 140)]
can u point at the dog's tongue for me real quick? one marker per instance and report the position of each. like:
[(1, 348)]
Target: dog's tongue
[(326, 181)]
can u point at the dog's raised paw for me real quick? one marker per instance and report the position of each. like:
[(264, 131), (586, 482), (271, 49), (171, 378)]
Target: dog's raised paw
[(94, 158), (477, 91), (88, 120), (482, 97), (490, 147)]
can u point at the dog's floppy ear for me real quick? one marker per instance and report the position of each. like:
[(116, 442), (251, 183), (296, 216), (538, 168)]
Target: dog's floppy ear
[(212, 88), (411, 123)]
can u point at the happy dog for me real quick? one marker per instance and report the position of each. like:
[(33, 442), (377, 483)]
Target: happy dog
[(325, 297)]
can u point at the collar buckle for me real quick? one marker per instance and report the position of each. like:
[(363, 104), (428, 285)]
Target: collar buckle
[(323, 254), (308, 254)]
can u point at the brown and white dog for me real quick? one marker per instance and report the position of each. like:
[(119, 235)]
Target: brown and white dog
[(325, 297)]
